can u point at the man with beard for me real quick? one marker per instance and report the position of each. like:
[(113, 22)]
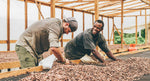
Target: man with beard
[(42, 36), (86, 42)]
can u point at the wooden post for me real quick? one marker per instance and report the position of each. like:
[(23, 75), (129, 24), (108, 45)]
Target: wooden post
[(145, 27), (26, 14), (102, 20), (39, 15), (72, 16), (62, 35), (122, 24), (93, 19), (83, 21), (96, 10), (136, 30), (96, 13), (52, 8), (8, 25), (113, 31), (108, 30)]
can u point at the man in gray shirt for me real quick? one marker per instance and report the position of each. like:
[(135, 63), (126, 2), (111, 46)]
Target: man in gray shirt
[(42, 36), (86, 42)]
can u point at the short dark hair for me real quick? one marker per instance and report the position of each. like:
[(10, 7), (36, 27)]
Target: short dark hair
[(100, 21)]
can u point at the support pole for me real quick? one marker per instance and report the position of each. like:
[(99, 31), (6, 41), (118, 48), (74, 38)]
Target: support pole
[(96, 10), (26, 14), (83, 21), (102, 30), (72, 16), (122, 24), (52, 8), (136, 30), (96, 13), (145, 27), (113, 31), (108, 31), (93, 19), (62, 18), (39, 15), (8, 25)]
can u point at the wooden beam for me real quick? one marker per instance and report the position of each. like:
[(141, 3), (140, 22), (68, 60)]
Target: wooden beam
[(102, 5), (7, 65), (72, 16), (5, 41), (81, 4), (102, 30), (39, 15), (8, 25), (67, 8), (83, 21), (52, 8), (129, 11), (108, 30), (116, 9), (39, 9), (26, 13), (110, 4), (145, 27), (113, 31), (125, 9), (62, 10), (96, 10), (136, 30), (122, 24), (21, 71)]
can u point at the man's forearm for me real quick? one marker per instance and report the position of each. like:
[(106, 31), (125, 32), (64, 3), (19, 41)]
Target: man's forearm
[(58, 54), (110, 55), (97, 55)]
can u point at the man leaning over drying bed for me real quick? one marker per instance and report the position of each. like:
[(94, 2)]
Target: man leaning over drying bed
[(42, 36), (86, 42)]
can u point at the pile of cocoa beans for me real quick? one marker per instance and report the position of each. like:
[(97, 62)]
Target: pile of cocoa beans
[(125, 70)]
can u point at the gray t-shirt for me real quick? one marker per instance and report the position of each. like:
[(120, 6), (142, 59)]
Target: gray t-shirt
[(83, 43), (41, 35)]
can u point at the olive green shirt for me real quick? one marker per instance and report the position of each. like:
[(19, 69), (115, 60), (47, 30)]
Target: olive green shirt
[(42, 35), (83, 43)]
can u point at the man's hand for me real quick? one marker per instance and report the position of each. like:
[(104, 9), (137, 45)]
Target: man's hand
[(67, 62), (118, 60)]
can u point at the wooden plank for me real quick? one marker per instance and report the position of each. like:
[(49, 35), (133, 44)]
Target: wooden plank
[(7, 65), (81, 4), (8, 25), (96, 10), (113, 31), (122, 24), (72, 16), (39, 9), (102, 30), (39, 15), (21, 71), (5, 41), (68, 8), (129, 11), (108, 30), (83, 21), (132, 52), (52, 8), (62, 19), (26, 13), (111, 4), (136, 30), (145, 27)]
